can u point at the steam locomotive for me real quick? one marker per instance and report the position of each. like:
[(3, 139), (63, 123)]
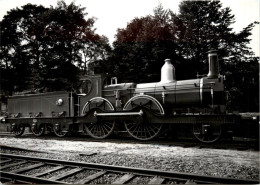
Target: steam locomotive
[(144, 109)]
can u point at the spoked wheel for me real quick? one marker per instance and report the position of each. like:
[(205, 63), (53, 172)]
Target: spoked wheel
[(40, 131), (143, 131), (141, 128), (19, 130), (100, 129), (207, 133), (59, 131)]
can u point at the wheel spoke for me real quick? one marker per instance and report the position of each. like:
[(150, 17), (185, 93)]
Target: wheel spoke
[(96, 130), (143, 131), (100, 130), (134, 131), (130, 128), (103, 129), (107, 127), (139, 132), (149, 131), (92, 127)]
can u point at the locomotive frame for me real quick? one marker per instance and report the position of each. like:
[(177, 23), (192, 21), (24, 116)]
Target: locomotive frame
[(143, 108)]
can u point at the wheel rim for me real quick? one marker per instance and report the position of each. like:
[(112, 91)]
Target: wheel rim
[(207, 133), (143, 131), (100, 129), (58, 131), (19, 130), (40, 131)]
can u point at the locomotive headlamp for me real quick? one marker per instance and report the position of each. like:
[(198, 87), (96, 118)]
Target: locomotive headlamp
[(59, 102)]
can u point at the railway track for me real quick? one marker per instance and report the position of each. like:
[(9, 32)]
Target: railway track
[(26, 169)]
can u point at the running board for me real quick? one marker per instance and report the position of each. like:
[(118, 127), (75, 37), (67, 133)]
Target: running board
[(140, 113)]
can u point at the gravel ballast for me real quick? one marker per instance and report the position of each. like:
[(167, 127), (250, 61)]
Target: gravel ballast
[(203, 161)]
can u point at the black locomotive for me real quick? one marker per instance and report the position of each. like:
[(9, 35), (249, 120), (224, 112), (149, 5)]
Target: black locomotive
[(143, 108)]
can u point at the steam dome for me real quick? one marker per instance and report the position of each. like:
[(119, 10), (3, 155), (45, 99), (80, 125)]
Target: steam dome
[(167, 72)]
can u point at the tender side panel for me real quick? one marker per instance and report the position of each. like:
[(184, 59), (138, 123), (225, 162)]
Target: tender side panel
[(45, 104)]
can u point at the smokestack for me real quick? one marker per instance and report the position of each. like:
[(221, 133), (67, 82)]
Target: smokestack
[(213, 64), (167, 72)]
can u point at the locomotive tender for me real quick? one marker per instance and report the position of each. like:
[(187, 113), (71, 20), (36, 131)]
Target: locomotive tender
[(143, 108)]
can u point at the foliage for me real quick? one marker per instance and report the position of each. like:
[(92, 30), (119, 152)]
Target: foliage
[(205, 25), (43, 47), (140, 48), (17, 40)]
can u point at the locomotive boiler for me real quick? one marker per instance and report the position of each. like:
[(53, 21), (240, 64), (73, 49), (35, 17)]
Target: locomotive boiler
[(143, 109)]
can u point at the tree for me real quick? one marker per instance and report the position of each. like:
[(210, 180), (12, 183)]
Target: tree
[(203, 25), (42, 47), (68, 36), (140, 48), (95, 52), (17, 42)]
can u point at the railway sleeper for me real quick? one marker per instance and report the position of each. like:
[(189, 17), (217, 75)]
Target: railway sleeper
[(126, 173)]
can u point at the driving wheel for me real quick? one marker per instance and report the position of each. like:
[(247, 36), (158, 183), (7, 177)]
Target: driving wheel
[(96, 128)]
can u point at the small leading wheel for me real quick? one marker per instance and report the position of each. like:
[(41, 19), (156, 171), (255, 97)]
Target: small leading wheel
[(143, 131), (207, 133), (40, 131), (59, 131), (19, 130), (100, 129)]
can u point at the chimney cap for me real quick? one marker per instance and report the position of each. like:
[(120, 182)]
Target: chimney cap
[(213, 51)]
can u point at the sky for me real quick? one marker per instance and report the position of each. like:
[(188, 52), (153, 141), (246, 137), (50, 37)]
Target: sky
[(114, 14)]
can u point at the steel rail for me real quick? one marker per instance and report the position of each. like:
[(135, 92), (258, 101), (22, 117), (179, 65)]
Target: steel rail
[(139, 171), (26, 178)]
